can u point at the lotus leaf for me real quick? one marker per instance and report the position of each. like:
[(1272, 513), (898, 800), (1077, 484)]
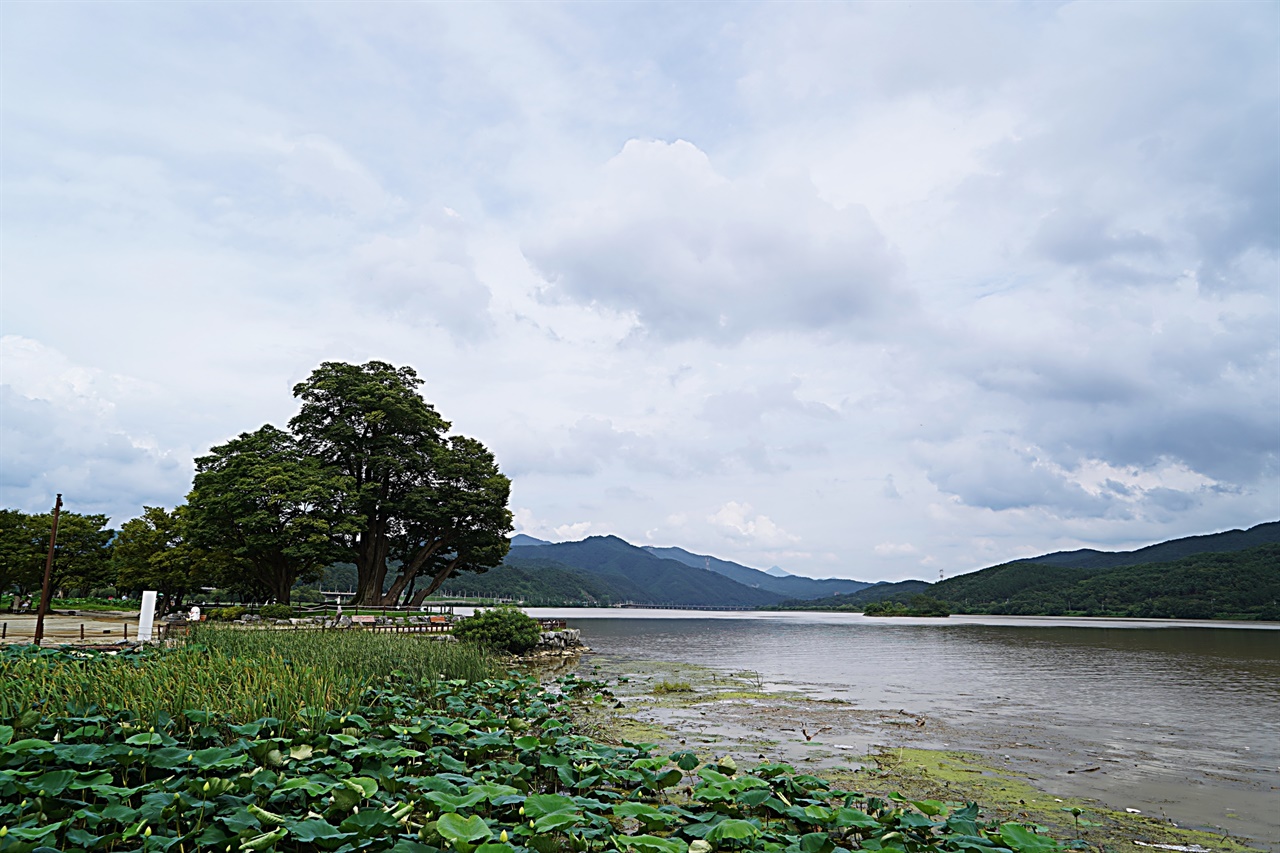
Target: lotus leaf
[(318, 832), (816, 842), (1023, 840), (733, 829), (456, 828), (649, 844), (455, 802)]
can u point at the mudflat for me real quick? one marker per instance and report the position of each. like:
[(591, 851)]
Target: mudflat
[(1031, 769)]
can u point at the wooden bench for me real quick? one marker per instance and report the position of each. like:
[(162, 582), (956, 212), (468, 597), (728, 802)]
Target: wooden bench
[(364, 620)]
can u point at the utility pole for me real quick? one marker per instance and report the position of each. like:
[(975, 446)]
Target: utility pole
[(48, 572)]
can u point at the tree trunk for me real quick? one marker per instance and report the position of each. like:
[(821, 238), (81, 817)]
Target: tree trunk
[(409, 571), (371, 565), (438, 579)]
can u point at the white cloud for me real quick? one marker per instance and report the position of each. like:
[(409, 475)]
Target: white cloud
[(691, 253), (740, 521), (896, 549)]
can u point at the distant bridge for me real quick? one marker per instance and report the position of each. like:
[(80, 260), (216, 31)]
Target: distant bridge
[(633, 606)]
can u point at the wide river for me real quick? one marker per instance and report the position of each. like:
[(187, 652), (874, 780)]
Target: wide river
[(1183, 718)]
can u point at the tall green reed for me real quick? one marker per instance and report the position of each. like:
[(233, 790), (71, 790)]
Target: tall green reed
[(233, 675)]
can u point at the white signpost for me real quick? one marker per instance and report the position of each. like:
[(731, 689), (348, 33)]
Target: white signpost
[(147, 617)]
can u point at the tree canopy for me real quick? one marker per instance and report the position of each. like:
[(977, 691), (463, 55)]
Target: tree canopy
[(433, 505), (154, 551), (260, 501), (81, 557)]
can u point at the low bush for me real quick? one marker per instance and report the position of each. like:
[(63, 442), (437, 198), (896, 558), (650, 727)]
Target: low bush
[(504, 629), (227, 614), (275, 611), (672, 687)]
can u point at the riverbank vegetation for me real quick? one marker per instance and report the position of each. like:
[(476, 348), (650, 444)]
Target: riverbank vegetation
[(158, 749), (919, 605)]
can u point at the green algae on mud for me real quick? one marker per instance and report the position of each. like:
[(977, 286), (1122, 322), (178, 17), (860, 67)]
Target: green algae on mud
[(956, 776)]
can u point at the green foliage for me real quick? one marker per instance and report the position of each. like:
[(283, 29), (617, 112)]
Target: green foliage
[(81, 557), (920, 605), (435, 505), (152, 552), (413, 768), (665, 686), (506, 629), (275, 611), (227, 614), (268, 508), (233, 675)]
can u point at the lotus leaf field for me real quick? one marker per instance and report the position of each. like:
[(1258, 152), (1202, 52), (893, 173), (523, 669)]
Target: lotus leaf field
[(448, 758)]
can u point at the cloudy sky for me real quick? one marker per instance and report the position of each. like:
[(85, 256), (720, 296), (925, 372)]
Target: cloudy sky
[(874, 290)]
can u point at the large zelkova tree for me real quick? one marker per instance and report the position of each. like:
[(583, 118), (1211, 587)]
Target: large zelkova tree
[(431, 504), (268, 510), (153, 551)]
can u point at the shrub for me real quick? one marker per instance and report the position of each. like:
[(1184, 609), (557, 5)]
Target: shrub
[(275, 611), (505, 629), (227, 614)]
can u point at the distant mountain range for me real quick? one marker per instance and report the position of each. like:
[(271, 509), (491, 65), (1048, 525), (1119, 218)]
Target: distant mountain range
[(609, 570), (1236, 573), (786, 585)]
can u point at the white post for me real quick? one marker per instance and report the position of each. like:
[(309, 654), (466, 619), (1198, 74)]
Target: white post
[(147, 616)]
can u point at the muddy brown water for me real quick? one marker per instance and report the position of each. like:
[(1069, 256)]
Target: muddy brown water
[(1179, 719)]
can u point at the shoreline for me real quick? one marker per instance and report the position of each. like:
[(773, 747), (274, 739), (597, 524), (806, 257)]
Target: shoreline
[(1015, 772)]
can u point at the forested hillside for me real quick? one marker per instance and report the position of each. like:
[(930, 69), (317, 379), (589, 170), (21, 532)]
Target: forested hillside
[(1232, 585)]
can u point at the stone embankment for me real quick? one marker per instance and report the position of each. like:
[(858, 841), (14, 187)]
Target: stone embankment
[(566, 642)]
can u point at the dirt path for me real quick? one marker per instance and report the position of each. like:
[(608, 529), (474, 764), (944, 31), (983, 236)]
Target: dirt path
[(59, 628)]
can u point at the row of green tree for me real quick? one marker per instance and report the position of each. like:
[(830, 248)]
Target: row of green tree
[(366, 474), (919, 605)]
